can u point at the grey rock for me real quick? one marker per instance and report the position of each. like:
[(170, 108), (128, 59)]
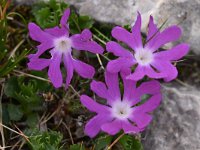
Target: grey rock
[(176, 125), (112, 11), (185, 13), (27, 2)]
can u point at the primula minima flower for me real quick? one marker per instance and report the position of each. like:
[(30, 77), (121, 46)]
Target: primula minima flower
[(60, 44), (148, 58), (125, 113)]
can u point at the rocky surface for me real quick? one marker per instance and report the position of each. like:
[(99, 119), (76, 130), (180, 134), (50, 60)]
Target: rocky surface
[(182, 12), (176, 124), (121, 12)]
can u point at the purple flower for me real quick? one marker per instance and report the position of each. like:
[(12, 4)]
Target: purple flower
[(121, 113), (60, 44), (147, 58)]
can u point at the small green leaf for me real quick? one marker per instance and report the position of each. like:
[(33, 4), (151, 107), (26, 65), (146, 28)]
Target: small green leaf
[(48, 140), (129, 142), (48, 14), (85, 22), (25, 93), (7, 67), (102, 142), (32, 120), (128, 27), (15, 112), (45, 18), (5, 117), (77, 147), (79, 23), (11, 87)]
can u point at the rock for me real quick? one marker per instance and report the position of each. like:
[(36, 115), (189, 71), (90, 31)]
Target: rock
[(29, 2), (176, 124), (185, 13), (111, 11)]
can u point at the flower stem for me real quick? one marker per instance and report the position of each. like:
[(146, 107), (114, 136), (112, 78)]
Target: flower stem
[(115, 141), (105, 37)]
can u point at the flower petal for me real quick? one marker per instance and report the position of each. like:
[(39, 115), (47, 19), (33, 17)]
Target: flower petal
[(117, 50), (129, 128), (54, 71), (81, 42), (38, 64), (93, 105), (83, 69), (113, 86), (99, 88), (138, 74), (57, 32), (152, 29), (68, 62), (151, 104), (166, 68), (140, 113), (113, 127), (150, 87), (141, 119), (168, 35), (137, 33), (150, 72), (65, 17), (37, 34), (86, 34), (123, 35), (41, 49), (129, 87), (175, 53), (93, 127), (119, 64)]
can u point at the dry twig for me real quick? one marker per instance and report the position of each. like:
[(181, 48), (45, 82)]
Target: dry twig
[(115, 141), (1, 127)]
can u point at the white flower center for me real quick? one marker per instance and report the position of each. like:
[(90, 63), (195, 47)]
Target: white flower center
[(62, 44), (121, 110), (144, 57)]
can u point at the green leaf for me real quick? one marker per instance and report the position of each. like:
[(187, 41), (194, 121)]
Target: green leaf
[(11, 87), (7, 67), (48, 140), (25, 93), (129, 142), (85, 22), (48, 14), (45, 18), (102, 142), (32, 120), (15, 112), (3, 34), (53, 4), (5, 117), (128, 27), (79, 23), (76, 147)]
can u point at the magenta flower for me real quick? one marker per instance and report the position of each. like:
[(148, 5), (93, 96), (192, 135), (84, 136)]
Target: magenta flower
[(60, 44), (148, 58), (121, 113)]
